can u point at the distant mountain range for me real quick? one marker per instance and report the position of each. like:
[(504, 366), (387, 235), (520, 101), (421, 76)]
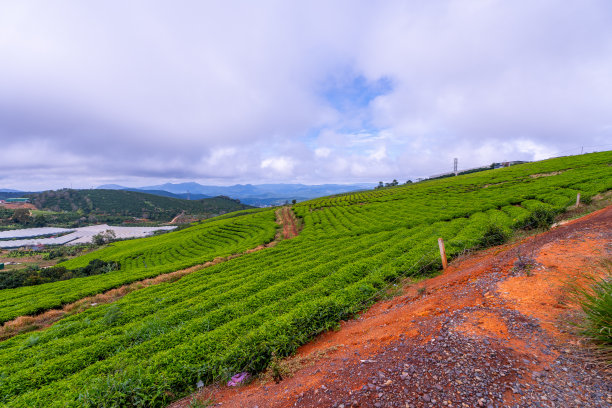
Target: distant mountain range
[(163, 193), (257, 195)]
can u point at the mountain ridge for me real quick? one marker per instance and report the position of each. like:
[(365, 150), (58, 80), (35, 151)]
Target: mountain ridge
[(252, 194)]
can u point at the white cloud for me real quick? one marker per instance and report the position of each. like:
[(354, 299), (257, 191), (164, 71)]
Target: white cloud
[(282, 165), (380, 153), (322, 152), (233, 92)]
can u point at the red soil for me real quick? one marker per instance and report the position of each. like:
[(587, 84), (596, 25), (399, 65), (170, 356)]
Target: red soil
[(15, 206), (286, 217), (484, 333)]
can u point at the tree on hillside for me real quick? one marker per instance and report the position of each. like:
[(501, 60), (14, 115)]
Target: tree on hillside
[(104, 237), (22, 216), (39, 221)]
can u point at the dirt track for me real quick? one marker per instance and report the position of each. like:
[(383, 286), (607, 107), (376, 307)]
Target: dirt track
[(483, 334), (287, 219)]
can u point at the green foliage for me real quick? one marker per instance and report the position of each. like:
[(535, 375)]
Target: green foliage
[(101, 204), (32, 340), (76, 208), (586, 200), (105, 237), (6, 213), (61, 251), (596, 302), (155, 344), (276, 369), (541, 217), (112, 316), (34, 275), (196, 403), (48, 254), (22, 216), (119, 391), (143, 258), (494, 235)]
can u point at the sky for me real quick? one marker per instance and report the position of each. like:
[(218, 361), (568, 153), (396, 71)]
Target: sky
[(225, 92)]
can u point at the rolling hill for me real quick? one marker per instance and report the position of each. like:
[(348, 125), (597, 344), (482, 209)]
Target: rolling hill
[(158, 343), (130, 204)]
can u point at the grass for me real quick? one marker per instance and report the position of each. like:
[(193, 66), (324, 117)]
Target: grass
[(595, 301), (286, 368), (596, 203), (196, 403)]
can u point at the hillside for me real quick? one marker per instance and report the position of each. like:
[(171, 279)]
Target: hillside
[(156, 344), (130, 204), (484, 333), (144, 258)]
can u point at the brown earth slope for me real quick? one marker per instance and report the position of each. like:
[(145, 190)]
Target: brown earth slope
[(486, 333)]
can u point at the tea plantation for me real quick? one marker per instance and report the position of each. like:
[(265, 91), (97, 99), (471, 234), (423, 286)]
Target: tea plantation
[(155, 344)]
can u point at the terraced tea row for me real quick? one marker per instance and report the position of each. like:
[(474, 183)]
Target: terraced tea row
[(144, 258)]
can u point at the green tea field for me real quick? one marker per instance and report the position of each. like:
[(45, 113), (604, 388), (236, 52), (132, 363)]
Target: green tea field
[(156, 344)]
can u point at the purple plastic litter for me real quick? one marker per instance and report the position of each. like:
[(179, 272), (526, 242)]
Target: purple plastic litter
[(237, 379)]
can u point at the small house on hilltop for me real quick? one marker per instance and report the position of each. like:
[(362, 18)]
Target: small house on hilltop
[(507, 164)]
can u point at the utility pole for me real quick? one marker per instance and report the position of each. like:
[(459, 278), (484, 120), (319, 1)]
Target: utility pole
[(456, 161)]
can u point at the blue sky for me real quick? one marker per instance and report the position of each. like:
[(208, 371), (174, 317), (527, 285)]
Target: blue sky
[(141, 93), (348, 92)]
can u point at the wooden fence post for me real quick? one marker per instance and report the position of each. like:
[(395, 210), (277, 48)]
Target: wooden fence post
[(578, 200), (442, 253)]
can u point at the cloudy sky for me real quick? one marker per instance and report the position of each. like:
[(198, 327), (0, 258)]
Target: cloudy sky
[(224, 92)]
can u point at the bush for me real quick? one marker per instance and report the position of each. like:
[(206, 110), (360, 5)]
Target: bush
[(586, 199), (33, 275), (124, 390), (596, 302), (104, 237), (540, 218), (494, 235)]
